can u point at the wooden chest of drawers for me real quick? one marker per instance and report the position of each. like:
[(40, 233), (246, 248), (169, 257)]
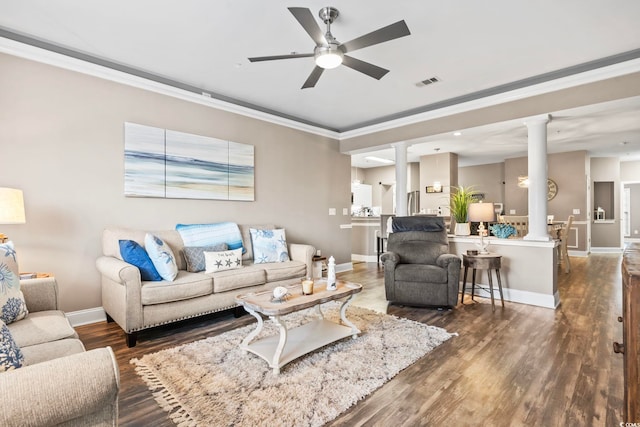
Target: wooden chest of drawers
[(630, 319)]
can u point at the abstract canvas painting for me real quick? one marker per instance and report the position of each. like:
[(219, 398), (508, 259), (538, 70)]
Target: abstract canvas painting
[(171, 164)]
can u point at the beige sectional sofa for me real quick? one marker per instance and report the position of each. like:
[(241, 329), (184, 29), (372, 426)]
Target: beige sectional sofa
[(59, 383), (138, 305)]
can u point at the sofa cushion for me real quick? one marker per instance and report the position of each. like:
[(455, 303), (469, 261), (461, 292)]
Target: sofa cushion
[(420, 273), (228, 280), (162, 257), (223, 260), (194, 255), (12, 304), (269, 245), (10, 355), (136, 255), (284, 270), (41, 327), (185, 286), (51, 350)]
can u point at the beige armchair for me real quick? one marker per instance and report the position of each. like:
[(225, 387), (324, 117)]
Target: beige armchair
[(60, 383)]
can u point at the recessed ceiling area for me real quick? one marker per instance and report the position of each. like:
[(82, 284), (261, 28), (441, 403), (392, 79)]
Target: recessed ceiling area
[(475, 50), (610, 129)]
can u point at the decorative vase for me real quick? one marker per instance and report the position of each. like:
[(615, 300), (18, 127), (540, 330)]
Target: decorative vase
[(462, 229)]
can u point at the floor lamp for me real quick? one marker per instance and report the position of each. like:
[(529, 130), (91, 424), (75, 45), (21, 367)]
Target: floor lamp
[(481, 212)]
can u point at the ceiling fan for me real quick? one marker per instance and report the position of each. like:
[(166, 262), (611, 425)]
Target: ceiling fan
[(329, 52)]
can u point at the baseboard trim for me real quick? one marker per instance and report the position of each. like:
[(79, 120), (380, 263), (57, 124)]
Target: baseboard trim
[(347, 266), (364, 258), (606, 250), (581, 254), (86, 317), (518, 296)]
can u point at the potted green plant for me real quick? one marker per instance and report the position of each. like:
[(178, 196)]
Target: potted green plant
[(460, 199)]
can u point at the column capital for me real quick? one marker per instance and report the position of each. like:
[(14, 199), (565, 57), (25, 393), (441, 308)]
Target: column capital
[(399, 144), (541, 118)]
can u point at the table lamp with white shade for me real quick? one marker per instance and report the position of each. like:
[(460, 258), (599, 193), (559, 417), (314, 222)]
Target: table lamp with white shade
[(11, 208), (481, 212)]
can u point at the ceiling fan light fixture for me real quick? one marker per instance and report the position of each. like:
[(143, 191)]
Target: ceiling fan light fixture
[(328, 57)]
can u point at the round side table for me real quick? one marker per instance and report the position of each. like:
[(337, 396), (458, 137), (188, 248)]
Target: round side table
[(482, 262)]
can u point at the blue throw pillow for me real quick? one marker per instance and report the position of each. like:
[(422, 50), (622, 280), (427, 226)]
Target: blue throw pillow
[(135, 254), (161, 256), (10, 354)]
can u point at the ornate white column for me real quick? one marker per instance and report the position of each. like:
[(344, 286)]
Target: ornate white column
[(537, 170), (401, 177)]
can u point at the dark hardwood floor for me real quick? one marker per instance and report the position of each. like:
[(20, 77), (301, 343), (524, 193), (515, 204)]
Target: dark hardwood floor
[(517, 366)]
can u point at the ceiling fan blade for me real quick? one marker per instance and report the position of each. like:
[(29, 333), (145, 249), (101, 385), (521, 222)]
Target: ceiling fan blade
[(364, 67), (308, 22), (271, 58), (381, 35), (313, 77)]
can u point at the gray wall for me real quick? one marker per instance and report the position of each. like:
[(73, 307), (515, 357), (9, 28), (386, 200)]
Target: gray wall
[(61, 141), (487, 179)]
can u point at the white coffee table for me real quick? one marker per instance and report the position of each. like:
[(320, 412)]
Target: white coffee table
[(289, 344)]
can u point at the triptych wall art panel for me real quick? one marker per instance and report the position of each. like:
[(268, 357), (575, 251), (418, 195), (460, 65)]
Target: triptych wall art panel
[(169, 164)]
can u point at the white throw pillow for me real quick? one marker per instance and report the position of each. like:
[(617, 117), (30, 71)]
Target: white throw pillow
[(223, 260), (161, 256)]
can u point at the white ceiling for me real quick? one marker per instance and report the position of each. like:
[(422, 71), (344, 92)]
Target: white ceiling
[(471, 46)]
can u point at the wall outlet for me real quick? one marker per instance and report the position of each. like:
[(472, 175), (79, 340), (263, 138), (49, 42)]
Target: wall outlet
[(318, 252), (345, 211), (512, 211), (576, 211), (332, 211)]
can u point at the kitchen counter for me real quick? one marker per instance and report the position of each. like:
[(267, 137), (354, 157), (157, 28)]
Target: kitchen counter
[(364, 231)]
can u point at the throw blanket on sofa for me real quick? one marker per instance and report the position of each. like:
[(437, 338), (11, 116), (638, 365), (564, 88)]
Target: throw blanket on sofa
[(211, 234)]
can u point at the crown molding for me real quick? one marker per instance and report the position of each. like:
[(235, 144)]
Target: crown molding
[(586, 77), (33, 53), (42, 55)]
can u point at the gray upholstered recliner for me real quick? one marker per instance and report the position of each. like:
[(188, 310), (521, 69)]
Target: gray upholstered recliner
[(418, 268)]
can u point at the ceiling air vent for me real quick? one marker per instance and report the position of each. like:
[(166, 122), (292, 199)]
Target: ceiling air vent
[(428, 81)]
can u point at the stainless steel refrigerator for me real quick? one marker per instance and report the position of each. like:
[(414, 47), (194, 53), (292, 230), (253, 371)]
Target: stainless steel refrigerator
[(413, 203)]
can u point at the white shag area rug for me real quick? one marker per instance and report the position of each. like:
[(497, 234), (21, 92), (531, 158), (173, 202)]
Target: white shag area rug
[(212, 382)]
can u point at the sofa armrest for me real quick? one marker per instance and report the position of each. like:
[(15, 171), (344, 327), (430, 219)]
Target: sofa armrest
[(390, 259), (303, 253), (445, 259), (118, 271), (82, 387), (40, 294)]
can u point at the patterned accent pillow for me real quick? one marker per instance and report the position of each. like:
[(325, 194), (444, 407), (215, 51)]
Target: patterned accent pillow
[(10, 354), (211, 234), (225, 260), (194, 255), (269, 246), (12, 304), (161, 256), (135, 255)]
